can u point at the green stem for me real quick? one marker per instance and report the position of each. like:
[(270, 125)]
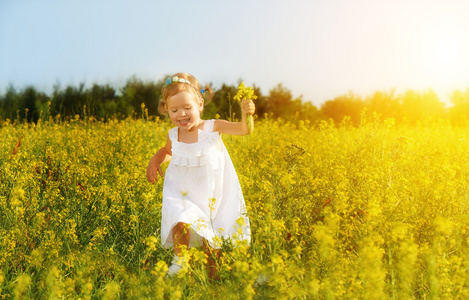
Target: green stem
[(250, 122)]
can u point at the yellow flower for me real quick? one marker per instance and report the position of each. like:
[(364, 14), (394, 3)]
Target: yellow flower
[(443, 225), (244, 93)]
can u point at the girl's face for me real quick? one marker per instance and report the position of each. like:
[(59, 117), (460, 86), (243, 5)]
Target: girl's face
[(184, 111)]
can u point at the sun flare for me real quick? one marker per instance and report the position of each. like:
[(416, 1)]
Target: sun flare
[(443, 49)]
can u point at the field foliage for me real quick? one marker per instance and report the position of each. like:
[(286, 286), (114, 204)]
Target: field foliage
[(375, 211)]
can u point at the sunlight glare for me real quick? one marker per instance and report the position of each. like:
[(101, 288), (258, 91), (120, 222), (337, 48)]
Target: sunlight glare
[(443, 50)]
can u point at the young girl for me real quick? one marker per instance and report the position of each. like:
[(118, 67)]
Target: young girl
[(202, 199)]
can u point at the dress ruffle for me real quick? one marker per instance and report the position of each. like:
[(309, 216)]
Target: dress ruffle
[(189, 161), (192, 155)]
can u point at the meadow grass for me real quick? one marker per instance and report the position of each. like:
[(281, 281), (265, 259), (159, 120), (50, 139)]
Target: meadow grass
[(377, 211)]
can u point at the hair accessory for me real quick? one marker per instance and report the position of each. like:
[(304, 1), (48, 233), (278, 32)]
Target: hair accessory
[(177, 79), (181, 80)]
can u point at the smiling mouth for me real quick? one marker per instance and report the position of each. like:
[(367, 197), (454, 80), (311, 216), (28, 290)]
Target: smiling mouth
[(184, 122)]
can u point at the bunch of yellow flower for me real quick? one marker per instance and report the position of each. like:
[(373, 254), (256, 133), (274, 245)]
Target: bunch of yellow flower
[(248, 94)]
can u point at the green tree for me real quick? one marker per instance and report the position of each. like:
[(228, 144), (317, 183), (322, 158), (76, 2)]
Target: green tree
[(137, 92), (349, 105), (9, 103), (223, 104), (26, 104), (309, 112), (35, 102), (69, 102), (459, 112), (386, 104), (281, 104), (421, 106), (103, 103)]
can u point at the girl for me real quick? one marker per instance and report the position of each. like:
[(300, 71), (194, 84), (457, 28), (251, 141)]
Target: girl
[(202, 198)]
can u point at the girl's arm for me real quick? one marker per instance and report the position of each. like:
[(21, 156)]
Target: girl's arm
[(236, 128), (154, 166)]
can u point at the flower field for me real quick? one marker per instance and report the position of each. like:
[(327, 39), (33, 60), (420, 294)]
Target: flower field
[(378, 211)]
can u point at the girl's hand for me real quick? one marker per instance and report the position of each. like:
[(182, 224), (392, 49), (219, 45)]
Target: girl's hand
[(247, 107), (153, 170), (154, 166), (246, 126)]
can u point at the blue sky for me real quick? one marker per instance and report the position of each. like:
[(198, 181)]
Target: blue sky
[(317, 49)]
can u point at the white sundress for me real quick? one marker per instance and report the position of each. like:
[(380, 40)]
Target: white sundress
[(201, 188)]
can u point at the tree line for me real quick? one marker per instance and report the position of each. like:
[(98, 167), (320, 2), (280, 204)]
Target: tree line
[(138, 98)]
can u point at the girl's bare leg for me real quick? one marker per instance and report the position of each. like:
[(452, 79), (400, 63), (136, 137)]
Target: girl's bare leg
[(212, 256), (181, 238)]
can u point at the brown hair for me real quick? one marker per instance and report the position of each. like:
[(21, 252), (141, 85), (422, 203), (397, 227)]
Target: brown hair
[(174, 88)]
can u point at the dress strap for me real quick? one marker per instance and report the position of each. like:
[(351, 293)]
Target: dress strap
[(208, 125), (173, 134)]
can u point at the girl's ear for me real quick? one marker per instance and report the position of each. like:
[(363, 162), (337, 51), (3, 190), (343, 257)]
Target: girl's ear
[(201, 105)]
